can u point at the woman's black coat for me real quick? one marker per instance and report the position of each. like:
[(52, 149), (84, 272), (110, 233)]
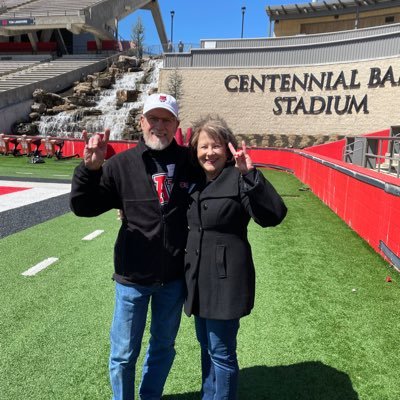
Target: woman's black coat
[(219, 268)]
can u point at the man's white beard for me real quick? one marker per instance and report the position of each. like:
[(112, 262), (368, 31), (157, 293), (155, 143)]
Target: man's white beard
[(156, 143)]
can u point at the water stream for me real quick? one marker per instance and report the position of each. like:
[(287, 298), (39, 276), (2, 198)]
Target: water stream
[(71, 123)]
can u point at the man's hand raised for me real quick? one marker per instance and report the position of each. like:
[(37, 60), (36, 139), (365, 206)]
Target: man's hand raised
[(95, 149)]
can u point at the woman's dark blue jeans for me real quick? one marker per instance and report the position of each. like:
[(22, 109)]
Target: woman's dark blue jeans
[(219, 365)]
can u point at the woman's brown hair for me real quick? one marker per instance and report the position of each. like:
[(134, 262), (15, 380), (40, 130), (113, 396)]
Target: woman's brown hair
[(217, 128)]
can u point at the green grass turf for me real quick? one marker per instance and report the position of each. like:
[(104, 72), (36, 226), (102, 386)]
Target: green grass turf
[(310, 336), (52, 168)]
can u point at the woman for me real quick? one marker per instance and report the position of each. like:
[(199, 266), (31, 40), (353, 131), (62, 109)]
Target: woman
[(219, 268)]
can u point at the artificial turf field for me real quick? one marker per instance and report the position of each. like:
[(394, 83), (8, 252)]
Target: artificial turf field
[(309, 337)]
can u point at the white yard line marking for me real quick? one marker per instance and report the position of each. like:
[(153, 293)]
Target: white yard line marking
[(39, 267), (92, 235), (24, 173), (59, 175)]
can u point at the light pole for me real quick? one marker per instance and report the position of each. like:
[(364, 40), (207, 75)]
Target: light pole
[(357, 16), (243, 11), (172, 26)]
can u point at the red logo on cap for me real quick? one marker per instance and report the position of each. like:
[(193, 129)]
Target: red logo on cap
[(163, 98)]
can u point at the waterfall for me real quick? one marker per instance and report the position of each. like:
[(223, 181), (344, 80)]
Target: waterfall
[(71, 123)]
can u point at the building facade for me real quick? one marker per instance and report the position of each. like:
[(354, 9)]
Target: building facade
[(330, 84), (344, 98)]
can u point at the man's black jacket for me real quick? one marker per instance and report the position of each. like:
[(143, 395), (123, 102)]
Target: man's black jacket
[(150, 245)]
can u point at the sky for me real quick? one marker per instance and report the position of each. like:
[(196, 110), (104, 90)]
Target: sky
[(204, 19)]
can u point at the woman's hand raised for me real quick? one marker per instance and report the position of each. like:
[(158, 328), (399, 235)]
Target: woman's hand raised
[(242, 159)]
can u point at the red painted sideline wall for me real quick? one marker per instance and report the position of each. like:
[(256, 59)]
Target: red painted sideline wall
[(369, 202), (361, 197), (355, 194), (76, 146)]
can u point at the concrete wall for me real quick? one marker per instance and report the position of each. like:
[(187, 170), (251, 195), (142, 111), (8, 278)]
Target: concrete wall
[(252, 112), (10, 115), (80, 42)]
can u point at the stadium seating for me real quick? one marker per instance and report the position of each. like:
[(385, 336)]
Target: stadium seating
[(4, 144), (36, 8), (11, 64), (49, 146), (26, 47), (15, 151), (46, 70), (26, 145)]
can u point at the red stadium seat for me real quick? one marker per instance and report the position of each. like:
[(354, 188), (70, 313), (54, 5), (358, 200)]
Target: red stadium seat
[(4, 144), (49, 146)]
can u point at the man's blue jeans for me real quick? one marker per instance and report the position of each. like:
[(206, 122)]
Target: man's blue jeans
[(219, 365), (130, 313)]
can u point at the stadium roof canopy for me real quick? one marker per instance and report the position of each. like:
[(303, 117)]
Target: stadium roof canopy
[(327, 7), (99, 17)]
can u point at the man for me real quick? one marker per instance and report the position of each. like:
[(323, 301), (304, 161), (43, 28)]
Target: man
[(149, 183)]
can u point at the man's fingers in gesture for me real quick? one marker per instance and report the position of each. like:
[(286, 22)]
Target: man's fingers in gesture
[(102, 138), (106, 137), (85, 137), (95, 149), (96, 139)]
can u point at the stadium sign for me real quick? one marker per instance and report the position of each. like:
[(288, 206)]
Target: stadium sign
[(309, 82), (17, 21)]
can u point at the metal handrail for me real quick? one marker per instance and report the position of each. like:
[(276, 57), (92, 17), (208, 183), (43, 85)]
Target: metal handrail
[(392, 160), (350, 148)]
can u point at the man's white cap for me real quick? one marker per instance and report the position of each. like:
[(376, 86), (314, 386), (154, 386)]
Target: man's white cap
[(161, 100)]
